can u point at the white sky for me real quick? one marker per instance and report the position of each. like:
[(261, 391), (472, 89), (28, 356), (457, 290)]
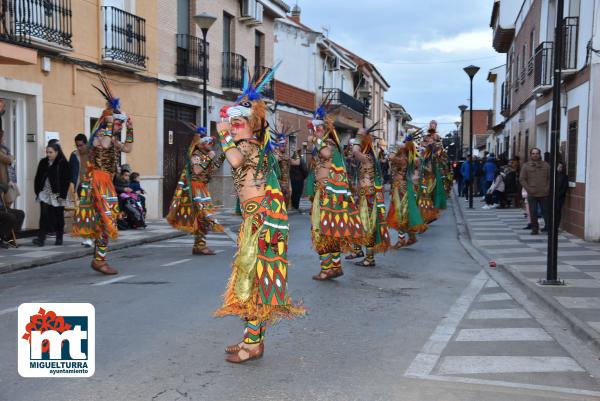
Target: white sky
[(420, 47)]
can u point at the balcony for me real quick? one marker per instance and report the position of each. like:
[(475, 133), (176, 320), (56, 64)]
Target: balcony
[(43, 24), (124, 39), (570, 37), (269, 90), (341, 98), (542, 74), (190, 58), (234, 68)]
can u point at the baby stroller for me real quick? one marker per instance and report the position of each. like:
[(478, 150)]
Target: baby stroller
[(132, 212)]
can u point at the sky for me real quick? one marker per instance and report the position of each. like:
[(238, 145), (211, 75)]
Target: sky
[(419, 46)]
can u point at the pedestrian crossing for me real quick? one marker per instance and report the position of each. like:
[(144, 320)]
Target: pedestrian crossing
[(502, 235), (489, 338), (213, 240)]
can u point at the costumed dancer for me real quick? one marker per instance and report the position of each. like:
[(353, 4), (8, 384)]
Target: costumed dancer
[(191, 208), (427, 176), (371, 202), (98, 209), (257, 290), (283, 159), (335, 220), (404, 214)]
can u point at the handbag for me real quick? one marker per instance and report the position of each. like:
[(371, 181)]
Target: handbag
[(12, 193)]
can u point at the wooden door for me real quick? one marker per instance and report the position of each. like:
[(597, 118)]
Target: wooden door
[(176, 139)]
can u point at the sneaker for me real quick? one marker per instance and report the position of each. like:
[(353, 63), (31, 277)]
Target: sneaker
[(88, 243), (527, 227), (486, 207), (494, 206)]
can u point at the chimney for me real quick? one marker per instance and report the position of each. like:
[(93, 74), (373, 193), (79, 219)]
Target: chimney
[(296, 13)]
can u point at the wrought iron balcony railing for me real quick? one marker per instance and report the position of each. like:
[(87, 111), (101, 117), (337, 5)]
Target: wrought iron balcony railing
[(234, 67), (41, 23), (268, 91), (190, 56), (124, 38), (570, 37), (339, 97), (542, 76)]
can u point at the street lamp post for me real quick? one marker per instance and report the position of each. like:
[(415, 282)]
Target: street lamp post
[(552, 256), (456, 141), (462, 109), (204, 22), (471, 71)]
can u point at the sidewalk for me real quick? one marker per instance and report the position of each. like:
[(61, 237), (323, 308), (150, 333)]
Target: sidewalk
[(500, 235), (28, 255)]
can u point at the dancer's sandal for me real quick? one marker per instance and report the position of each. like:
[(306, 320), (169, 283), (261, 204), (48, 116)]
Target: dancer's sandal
[(103, 267), (246, 354), (365, 263), (411, 241), (206, 251), (355, 255), (400, 244), (325, 275), (338, 272)]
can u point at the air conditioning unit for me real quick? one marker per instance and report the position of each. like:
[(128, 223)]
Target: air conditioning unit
[(248, 9)]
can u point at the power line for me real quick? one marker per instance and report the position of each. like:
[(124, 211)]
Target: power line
[(466, 60)]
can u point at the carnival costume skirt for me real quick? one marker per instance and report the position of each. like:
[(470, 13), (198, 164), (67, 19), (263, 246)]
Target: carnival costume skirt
[(98, 207), (371, 208), (257, 288), (428, 210), (195, 214), (335, 220), (404, 215)]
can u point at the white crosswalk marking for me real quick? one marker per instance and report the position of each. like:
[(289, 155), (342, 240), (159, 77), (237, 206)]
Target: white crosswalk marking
[(452, 365), (501, 296), (503, 334), (177, 262), (113, 280), (499, 314)]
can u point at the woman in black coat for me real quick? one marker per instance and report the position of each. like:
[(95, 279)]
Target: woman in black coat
[(51, 186)]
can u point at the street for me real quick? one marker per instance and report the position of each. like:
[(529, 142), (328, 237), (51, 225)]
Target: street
[(425, 324)]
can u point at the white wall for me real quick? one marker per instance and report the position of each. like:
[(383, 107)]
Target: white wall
[(297, 49)]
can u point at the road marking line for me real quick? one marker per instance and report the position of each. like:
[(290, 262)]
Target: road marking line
[(534, 387), (431, 351), (8, 310), (501, 296), (469, 365), (175, 262), (499, 314), (113, 280), (504, 334)]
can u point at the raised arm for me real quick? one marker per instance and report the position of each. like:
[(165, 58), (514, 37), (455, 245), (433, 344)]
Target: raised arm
[(231, 151)]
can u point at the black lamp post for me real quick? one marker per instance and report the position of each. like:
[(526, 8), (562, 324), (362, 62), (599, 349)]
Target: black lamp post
[(456, 141), (204, 22), (552, 257), (471, 71)]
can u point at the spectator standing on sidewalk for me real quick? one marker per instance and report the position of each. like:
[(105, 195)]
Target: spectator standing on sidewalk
[(51, 186), (535, 179), (465, 171), (489, 172)]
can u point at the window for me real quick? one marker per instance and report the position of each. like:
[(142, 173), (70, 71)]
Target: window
[(514, 146), (227, 22), (259, 40), (183, 16), (519, 146), (532, 43), (572, 151)]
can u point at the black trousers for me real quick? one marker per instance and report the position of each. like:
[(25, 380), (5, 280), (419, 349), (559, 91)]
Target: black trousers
[(52, 219), (297, 188), (533, 208)]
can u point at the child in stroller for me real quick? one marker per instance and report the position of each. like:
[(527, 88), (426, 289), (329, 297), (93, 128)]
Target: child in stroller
[(132, 211)]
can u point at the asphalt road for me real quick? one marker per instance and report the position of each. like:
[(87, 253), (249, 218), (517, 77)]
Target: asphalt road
[(416, 327)]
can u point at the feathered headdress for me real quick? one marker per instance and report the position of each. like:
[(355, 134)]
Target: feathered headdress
[(113, 103), (280, 133), (366, 142), (322, 117)]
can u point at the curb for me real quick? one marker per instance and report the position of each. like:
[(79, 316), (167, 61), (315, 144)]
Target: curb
[(28, 264), (580, 328)]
